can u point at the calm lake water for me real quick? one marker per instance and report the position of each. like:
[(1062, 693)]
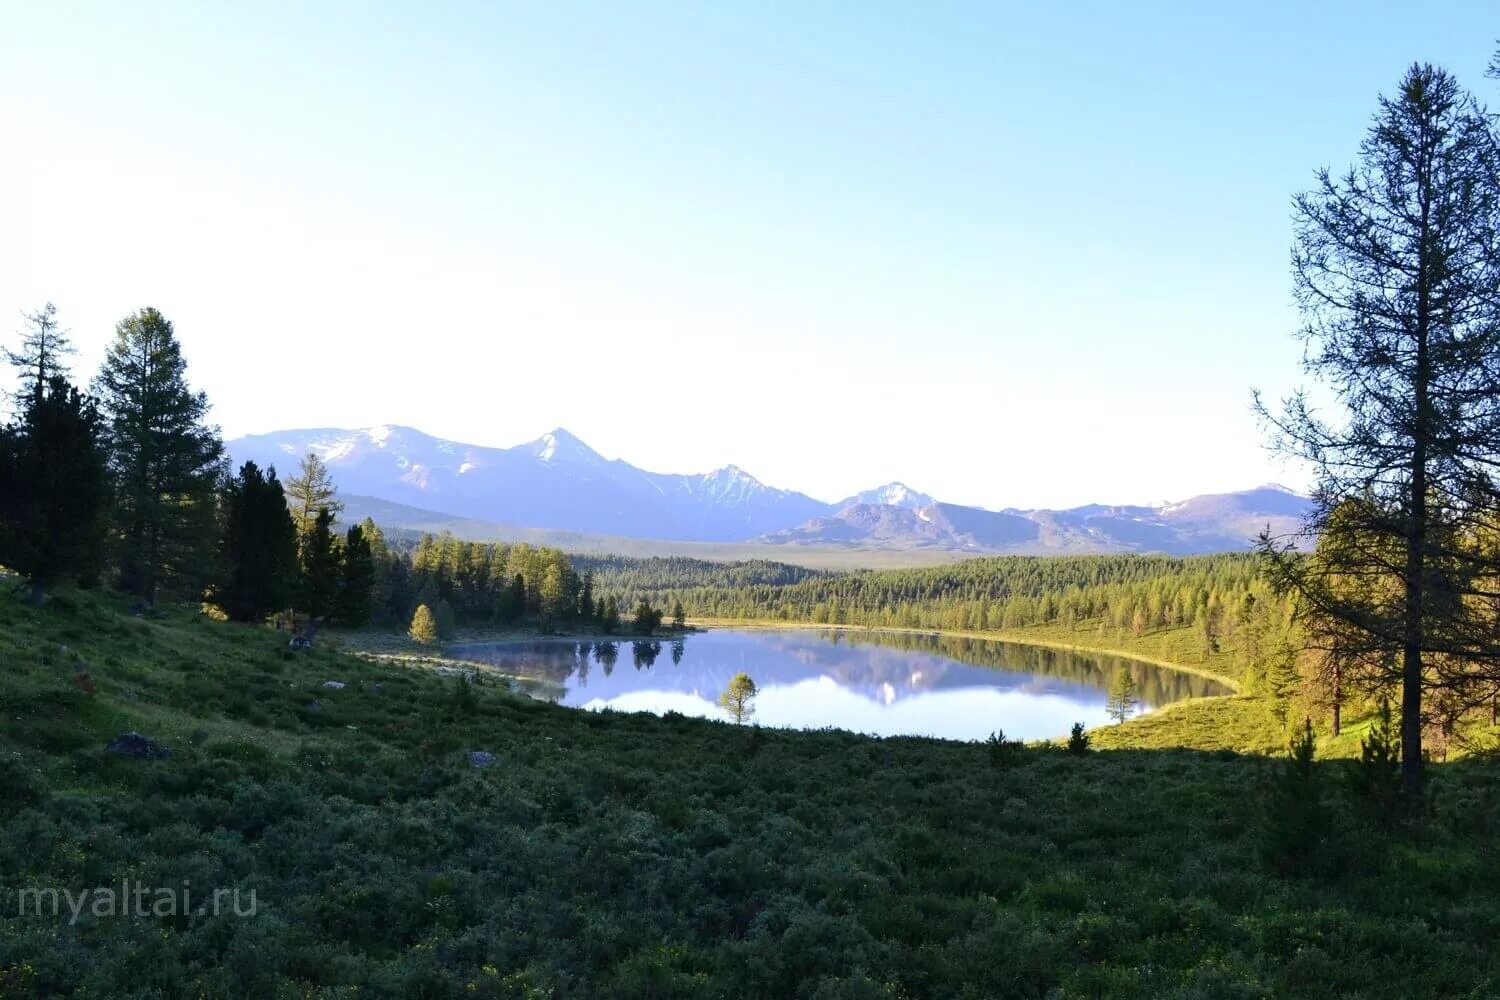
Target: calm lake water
[(887, 684)]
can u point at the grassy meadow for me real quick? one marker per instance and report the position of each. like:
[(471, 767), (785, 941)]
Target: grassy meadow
[(630, 856)]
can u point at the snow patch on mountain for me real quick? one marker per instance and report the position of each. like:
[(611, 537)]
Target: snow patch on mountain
[(893, 494)]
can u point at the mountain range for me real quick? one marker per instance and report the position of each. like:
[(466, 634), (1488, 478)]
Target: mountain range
[(558, 484)]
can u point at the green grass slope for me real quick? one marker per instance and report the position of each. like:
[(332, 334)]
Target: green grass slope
[(630, 856)]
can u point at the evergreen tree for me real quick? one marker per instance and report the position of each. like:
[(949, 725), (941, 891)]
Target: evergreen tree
[(1078, 740), (1396, 265), (679, 617), (383, 572), (609, 618), (259, 546), (1296, 818), (54, 487), (423, 625), (552, 595), (1282, 678), (647, 619), (736, 699), (1121, 701), (517, 601), (1206, 632), (1376, 782), (311, 490), (164, 458), (321, 569), (447, 620), (357, 588), (586, 597), (44, 346)]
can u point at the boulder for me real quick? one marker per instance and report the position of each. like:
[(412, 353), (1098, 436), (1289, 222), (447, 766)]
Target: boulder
[(139, 747)]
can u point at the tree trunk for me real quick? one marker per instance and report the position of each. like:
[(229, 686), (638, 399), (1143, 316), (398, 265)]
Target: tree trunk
[(1338, 699), (1416, 539)]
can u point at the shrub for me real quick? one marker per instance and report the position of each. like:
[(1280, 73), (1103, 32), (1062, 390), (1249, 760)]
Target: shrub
[(1295, 819), (1078, 740), (1002, 751), (1375, 781)]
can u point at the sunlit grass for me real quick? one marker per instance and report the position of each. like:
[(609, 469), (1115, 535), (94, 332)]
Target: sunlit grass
[(605, 854)]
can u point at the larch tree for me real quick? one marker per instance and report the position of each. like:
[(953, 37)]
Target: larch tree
[(737, 699), (1121, 700), (424, 628), (310, 491), (45, 346), (552, 595), (1396, 266), (165, 459)]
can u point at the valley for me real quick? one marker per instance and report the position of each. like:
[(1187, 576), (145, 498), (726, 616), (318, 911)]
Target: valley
[(955, 658)]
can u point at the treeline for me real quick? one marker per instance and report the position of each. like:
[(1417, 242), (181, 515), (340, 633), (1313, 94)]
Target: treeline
[(661, 574), (127, 483), (1216, 594), (1226, 601), (479, 583)]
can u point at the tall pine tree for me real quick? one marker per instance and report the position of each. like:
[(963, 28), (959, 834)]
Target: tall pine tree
[(259, 554), (320, 567), (164, 457), (54, 487), (358, 583)]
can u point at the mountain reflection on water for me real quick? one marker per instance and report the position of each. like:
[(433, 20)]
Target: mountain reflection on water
[(883, 683)]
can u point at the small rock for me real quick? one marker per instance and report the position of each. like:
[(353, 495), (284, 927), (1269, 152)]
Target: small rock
[(334, 685), (314, 706), (132, 695), (481, 758), (378, 688), (138, 746)]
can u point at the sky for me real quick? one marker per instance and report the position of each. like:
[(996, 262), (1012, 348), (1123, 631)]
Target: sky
[(1011, 255)]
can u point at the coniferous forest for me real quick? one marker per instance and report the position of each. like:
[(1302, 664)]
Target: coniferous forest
[(125, 483)]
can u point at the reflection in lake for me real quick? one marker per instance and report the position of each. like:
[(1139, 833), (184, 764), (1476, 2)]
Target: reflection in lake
[(885, 683)]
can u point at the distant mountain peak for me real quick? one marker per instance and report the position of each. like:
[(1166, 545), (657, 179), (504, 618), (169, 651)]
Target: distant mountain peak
[(561, 444), (381, 435), (892, 494), (732, 473), (557, 482)]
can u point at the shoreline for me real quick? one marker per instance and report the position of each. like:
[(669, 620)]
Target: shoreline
[(397, 646), (771, 623)]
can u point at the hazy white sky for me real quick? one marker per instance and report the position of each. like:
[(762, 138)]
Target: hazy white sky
[(1010, 256)]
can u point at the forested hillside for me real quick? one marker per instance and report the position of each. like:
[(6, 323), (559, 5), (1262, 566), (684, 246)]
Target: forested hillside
[(1219, 597)]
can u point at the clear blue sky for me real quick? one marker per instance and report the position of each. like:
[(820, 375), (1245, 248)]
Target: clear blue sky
[(1011, 255)]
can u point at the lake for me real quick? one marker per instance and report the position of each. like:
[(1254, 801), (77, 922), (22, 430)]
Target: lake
[(882, 683)]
